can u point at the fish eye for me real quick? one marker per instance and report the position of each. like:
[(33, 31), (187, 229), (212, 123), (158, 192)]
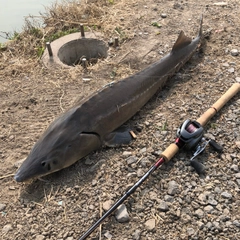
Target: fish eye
[(43, 163)]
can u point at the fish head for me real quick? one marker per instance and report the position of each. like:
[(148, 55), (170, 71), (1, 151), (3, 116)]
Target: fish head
[(55, 150)]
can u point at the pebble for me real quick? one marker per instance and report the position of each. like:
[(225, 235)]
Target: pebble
[(234, 52), (168, 198), (140, 172), (121, 214), (143, 150), (208, 209), (94, 182), (190, 231), (200, 225), (7, 228), (150, 224), (163, 206), (199, 213), (238, 80), (108, 235), (225, 64), (107, 204), (137, 235), (231, 70), (163, 15), (226, 195), (126, 153), (212, 202), (220, 4), (236, 223), (2, 206), (40, 237), (235, 168), (237, 175), (131, 160), (172, 187)]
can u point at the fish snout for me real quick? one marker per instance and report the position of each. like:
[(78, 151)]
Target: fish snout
[(18, 177)]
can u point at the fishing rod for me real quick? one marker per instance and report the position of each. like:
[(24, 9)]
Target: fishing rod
[(190, 137)]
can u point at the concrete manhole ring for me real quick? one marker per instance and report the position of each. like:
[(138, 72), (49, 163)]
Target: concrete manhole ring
[(72, 50)]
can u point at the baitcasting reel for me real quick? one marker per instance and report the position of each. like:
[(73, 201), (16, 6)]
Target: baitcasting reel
[(190, 135)]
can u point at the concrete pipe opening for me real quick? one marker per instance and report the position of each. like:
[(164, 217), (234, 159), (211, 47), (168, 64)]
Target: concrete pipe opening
[(72, 52)]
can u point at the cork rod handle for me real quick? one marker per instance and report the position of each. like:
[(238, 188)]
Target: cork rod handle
[(232, 91)]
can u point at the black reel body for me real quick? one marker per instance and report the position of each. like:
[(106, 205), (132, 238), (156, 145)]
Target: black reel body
[(190, 133)]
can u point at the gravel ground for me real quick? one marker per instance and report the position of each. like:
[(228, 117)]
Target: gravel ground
[(175, 202)]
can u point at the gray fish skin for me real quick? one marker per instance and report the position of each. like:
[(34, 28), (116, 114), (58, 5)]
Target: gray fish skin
[(88, 125)]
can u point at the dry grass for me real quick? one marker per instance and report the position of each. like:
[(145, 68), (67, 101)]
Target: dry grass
[(22, 54)]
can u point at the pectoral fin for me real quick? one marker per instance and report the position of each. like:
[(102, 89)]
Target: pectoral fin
[(120, 136)]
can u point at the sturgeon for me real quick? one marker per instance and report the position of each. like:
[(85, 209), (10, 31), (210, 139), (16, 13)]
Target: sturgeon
[(94, 122)]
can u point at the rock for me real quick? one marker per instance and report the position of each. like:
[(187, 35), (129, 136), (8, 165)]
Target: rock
[(212, 202), (234, 167), (126, 153), (234, 52), (131, 160), (169, 198), (226, 195), (121, 214), (7, 228), (137, 235), (216, 225), (186, 218), (208, 209), (200, 225), (203, 198), (231, 70), (199, 213), (150, 224), (190, 231), (40, 237), (2, 206), (108, 235), (236, 223), (163, 15), (209, 225), (172, 188), (107, 204), (163, 206), (238, 142), (94, 182), (143, 150), (237, 175), (221, 4), (140, 172), (225, 64)]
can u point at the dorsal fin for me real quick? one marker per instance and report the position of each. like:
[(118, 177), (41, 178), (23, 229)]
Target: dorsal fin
[(181, 42)]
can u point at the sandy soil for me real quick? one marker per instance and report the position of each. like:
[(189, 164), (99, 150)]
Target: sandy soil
[(65, 205)]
